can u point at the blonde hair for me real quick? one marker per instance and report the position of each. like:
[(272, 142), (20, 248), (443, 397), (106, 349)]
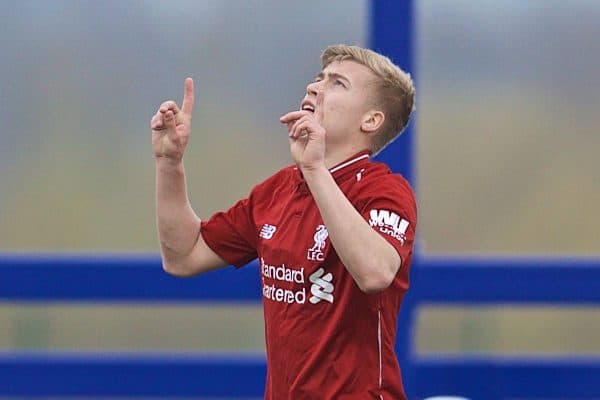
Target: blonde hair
[(394, 90)]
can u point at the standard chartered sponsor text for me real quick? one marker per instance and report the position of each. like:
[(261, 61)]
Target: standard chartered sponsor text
[(281, 273)]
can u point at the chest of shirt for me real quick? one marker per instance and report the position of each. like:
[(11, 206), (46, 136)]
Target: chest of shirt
[(298, 264), (291, 232)]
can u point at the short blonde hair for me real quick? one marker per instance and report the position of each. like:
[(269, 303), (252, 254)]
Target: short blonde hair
[(394, 90)]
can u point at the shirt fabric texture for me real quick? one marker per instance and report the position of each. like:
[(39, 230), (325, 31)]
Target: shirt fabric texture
[(325, 338)]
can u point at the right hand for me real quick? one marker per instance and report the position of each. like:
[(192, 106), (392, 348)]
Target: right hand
[(171, 126)]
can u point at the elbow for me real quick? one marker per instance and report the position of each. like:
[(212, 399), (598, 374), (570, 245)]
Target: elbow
[(376, 280), (171, 269), (376, 270), (176, 269), (375, 284), (174, 263)]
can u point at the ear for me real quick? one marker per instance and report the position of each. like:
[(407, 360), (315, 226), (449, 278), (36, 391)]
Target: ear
[(371, 122)]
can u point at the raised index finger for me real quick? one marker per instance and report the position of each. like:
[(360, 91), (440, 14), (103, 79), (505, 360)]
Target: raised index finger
[(188, 97)]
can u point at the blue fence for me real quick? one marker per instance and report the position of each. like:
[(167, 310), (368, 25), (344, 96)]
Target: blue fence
[(513, 282), (141, 279)]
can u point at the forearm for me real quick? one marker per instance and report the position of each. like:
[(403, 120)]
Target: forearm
[(369, 258), (178, 226)]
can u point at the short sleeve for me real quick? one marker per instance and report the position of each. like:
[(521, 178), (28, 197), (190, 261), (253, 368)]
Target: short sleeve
[(391, 211), (231, 234)]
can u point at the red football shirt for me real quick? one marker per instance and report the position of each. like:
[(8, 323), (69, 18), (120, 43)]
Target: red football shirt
[(325, 338)]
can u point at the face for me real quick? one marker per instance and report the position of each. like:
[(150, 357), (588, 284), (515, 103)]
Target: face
[(346, 88)]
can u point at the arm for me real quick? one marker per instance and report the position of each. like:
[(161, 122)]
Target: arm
[(370, 259), (183, 250)]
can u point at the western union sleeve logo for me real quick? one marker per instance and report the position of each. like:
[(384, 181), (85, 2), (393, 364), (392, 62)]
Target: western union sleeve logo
[(389, 223)]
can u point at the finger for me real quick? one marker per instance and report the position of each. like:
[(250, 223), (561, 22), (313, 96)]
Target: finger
[(294, 115), (302, 129), (188, 96), (319, 112), (294, 133), (169, 122), (296, 123), (156, 123), (169, 105)]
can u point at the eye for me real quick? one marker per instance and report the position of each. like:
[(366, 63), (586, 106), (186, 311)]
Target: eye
[(339, 83)]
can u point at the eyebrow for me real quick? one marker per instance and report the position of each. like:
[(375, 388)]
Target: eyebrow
[(334, 75)]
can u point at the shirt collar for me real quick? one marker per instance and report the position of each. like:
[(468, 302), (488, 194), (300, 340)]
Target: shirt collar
[(350, 164), (343, 170)]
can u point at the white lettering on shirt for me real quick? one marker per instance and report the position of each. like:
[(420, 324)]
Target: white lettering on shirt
[(389, 223), (272, 275)]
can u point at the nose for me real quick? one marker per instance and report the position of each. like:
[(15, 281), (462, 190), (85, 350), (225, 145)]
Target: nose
[(312, 88)]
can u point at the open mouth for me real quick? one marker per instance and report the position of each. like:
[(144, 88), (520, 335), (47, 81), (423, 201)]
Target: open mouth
[(308, 107)]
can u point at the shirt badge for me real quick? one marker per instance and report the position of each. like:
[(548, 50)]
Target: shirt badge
[(315, 253)]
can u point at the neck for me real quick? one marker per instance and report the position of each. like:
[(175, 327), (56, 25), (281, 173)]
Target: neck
[(335, 156)]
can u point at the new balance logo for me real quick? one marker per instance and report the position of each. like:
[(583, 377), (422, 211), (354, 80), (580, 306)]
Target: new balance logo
[(389, 223), (321, 288), (267, 231)]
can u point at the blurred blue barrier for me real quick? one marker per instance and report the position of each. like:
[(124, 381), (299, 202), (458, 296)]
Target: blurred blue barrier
[(499, 281), (141, 279), (117, 278), (64, 374)]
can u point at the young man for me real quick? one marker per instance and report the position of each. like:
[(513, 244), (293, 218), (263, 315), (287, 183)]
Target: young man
[(333, 233)]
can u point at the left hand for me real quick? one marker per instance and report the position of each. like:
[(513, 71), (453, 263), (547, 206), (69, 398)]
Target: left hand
[(307, 136)]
